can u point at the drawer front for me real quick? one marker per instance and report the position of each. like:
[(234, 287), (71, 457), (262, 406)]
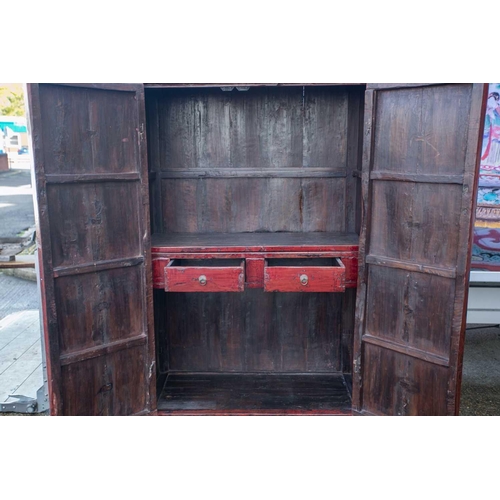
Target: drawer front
[(205, 276), (305, 276)]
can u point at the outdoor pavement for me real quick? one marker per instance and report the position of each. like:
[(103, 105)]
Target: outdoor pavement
[(16, 204), (481, 372), (20, 344)]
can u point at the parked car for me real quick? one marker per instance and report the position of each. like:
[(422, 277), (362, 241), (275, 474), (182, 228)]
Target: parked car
[(23, 151)]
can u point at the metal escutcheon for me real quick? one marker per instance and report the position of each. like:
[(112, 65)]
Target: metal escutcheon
[(203, 280), (304, 279)]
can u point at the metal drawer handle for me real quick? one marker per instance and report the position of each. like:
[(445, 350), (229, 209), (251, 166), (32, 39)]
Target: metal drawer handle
[(203, 280), (304, 279)]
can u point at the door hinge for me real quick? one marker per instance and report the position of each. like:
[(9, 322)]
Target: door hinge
[(357, 364)]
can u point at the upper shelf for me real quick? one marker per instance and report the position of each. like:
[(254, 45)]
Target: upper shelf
[(254, 242)]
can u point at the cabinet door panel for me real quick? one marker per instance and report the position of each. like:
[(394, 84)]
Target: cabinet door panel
[(91, 179), (420, 164)]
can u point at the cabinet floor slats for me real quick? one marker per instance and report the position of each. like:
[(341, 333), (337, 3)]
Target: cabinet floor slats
[(210, 393)]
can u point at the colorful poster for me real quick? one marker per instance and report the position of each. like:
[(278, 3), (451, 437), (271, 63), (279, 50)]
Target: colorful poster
[(486, 247)]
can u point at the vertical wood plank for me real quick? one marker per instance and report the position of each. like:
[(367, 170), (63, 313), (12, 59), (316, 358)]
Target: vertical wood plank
[(364, 238)]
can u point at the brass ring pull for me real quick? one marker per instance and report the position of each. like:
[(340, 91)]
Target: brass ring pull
[(304, 279), (203, 280)]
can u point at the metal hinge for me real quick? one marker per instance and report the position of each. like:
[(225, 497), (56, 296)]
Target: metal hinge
[(357, 364), (24, 404)]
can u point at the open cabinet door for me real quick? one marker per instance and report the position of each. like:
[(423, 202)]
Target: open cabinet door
[(91, 178), (420, 161)]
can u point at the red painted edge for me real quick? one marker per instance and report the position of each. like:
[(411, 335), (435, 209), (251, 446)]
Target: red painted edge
[(291, 412)]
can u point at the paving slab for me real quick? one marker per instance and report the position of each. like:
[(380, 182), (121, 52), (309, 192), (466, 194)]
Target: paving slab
[(16, 204)]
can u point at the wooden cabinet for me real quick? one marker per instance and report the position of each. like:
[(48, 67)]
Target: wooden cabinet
[(285, 249)]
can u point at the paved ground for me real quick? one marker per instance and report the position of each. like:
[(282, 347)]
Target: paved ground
[(16, 203), (481, 374)]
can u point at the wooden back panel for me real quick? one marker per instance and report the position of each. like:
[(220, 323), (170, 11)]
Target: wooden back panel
[(263, 160)]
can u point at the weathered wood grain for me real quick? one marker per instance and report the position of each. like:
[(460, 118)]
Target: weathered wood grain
[(253, 161), (92, 192), (253, 332), (204, 276), (419, 171), (254, 242), (269, 394)]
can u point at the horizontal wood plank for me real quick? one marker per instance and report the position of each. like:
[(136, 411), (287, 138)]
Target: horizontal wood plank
[(94, 352), (345, 412), (404, 349), (227, 173), (425, 178), (125, 87), (80, 178), (203, 85), (102, 265), (411, 266), (383, 86), (254, 242), (16, 265)]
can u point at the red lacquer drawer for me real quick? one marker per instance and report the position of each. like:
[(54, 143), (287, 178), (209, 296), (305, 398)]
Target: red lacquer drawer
[(205, 275), (304, 275)]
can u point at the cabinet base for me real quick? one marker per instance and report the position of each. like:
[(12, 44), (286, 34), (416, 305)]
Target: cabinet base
[(254, 394)]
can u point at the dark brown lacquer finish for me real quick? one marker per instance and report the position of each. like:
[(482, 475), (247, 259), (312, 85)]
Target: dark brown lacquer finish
[(419, 178), (90, 168), (269, 159), (253, 332), (263, 179), (256, 394)]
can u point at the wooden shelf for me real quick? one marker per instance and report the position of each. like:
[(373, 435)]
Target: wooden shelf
[(253, 242), (272, 394)]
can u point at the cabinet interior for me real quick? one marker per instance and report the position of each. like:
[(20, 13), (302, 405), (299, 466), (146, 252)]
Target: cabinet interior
[(269, 173)]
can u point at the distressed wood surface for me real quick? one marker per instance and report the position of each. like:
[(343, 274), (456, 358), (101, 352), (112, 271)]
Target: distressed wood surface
[(234, 85), (253, 331), (205, 276), (254, 247), (271, 394), (254, 242), (304, 275), (419, 175), (254, 277), (254, 263), (253, 161), (91, 177)]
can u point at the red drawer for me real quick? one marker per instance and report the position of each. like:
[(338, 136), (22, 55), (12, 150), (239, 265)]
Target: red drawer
[(304, 275), (205, 275)]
